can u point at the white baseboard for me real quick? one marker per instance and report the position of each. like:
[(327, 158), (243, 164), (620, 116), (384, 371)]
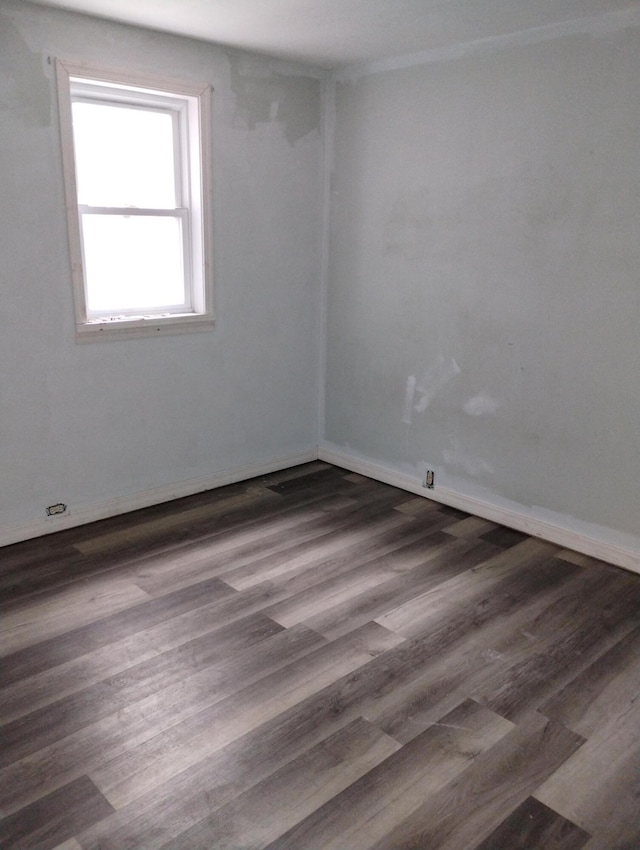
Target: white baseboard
[(514, 517), (155, 496)]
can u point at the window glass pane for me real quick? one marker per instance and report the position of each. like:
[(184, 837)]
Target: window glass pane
[(124, 156), (133, 262)]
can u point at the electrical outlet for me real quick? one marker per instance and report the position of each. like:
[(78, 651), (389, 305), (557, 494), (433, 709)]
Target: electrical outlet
[(58, 508), (430, 479)]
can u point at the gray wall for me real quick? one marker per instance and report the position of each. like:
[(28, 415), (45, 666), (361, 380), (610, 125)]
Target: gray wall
[(86, 424), (483, 286)]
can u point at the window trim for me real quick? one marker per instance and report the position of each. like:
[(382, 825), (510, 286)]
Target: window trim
[(201, 317)]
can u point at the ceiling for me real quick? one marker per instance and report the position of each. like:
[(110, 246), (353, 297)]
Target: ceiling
[(333, 33)]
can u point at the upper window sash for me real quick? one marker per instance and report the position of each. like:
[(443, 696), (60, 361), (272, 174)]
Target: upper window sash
[(175, 110)]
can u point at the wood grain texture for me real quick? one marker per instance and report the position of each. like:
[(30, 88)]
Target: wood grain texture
[(385, 796), (299, 788), (41, 619), (600, 785), (472, 804), (533, 826), (37, 729), (238, 715), (54, 817), (45, 654), (315, 660)]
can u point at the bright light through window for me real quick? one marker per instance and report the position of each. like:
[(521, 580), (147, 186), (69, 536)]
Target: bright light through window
[(124, 156), (136, 158), (144, 274)]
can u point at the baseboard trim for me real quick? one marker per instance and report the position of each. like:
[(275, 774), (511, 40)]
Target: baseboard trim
[(155, 496), (518, 519)]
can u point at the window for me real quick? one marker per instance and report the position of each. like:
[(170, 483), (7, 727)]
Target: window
[(136, 159)]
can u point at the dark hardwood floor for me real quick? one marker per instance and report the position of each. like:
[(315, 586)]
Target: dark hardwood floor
[(316, 660)]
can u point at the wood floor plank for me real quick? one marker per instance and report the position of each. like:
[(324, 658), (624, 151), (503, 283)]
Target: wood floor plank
[(246, 525), (149, 764), (41, 655), (472, 526), (416, 572), (454, 513), (266, 810), (44, 726), (485, 665), (41, 620), (461, 657), (354, 529), (367, 810), (242, 544), (145, 530), (37, 552), (581, 559), (215, 780), (168, 542), (387, 689), (431, 541), (301, 471), (600, 791), (383, 556), (570, 645), (219, 553), (533, 826), (55, 566), (473, 804), (504, 537), (417, 507), (162, 718), (602, 693), (43, 574), (42, 689), (366, 572), (356, 478), (421, 611), (599, 786), (55, 817), (309, 480), (35, 565)]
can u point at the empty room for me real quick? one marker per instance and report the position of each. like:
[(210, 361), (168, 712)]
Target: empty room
[(320, 425)]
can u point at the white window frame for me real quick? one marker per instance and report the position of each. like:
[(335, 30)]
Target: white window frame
[(190, 107)]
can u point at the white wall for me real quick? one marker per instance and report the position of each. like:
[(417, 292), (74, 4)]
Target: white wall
[(483, 284), (90, 424)]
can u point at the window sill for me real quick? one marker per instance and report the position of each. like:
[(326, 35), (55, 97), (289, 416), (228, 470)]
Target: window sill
[(98, 330)]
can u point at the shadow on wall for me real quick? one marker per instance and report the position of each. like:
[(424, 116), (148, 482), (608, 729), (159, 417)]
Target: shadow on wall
[(27, 92)]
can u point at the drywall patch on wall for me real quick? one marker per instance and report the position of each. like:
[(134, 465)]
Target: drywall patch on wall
[(24, 88), (419, 394), (480, 405), (292, 101)]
